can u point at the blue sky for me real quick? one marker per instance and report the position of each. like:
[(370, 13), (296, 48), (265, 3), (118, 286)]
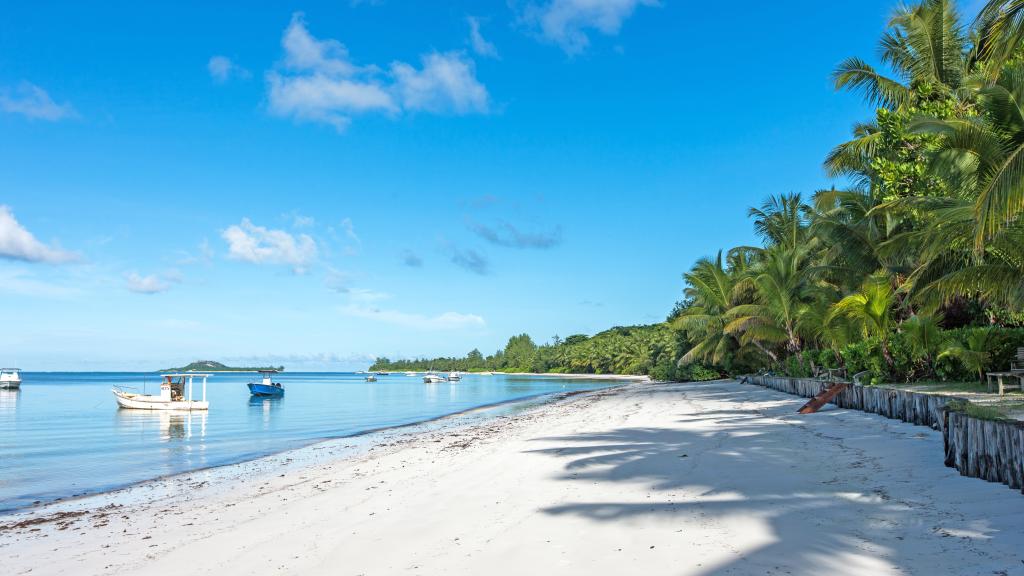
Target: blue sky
[(318, 183)]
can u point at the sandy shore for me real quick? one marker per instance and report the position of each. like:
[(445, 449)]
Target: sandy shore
[(713, 478)]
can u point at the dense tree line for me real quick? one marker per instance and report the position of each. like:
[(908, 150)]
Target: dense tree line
[(653, 350), (913, 269)]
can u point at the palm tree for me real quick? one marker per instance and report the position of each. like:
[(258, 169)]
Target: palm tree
[(781, 220), (971, 243), (781, 286), (925, 337), (925, 46), (982, 158), (931, 66), (711, 290), (1000, 29), (974, 355), (871, 311)]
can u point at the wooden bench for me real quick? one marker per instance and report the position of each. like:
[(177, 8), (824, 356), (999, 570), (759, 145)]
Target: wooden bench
[(1003, 386)]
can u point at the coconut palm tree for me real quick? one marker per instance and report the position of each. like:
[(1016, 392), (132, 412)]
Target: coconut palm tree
[(871, 311), (924, 46), (781, 220), (781, 285), (711, 289), (974, 354)]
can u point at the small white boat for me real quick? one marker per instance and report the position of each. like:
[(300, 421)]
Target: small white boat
[(432, 379), (454, 376), (371, 378), (10, 378), (410, 374), (172, 396)]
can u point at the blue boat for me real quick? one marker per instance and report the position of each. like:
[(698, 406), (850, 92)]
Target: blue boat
[(267, 387)]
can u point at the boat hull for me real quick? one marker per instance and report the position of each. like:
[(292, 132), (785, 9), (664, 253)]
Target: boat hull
[(143, 402), (10, 385), (265, 390)]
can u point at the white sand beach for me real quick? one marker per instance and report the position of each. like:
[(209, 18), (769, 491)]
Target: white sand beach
[(712, 478)]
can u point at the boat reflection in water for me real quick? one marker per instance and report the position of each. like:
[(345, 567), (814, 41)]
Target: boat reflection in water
[(172, 426), (266, 406), (9, 399)]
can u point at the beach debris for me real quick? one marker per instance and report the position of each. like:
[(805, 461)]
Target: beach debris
[(822, 398)]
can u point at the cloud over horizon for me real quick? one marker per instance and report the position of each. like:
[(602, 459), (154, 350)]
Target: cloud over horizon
[(17, 243), (318, 82), (248, 242), (566, 22)]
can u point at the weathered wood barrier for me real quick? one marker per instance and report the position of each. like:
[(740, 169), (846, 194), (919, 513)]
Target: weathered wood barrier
[(912, 407), (986, 449)]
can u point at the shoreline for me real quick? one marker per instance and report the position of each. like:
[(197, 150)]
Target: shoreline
[(699, 478), (366, 436)]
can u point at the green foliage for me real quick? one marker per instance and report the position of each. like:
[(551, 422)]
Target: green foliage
[(653, 350)]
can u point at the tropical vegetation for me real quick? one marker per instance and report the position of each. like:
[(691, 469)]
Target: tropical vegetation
[(910, 268)]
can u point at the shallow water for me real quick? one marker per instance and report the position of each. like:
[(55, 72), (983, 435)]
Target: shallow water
[(62, 434)]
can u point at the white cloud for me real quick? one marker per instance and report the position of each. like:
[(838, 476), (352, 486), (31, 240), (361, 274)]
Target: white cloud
[(258, 245), (445, 321), (222, 69), (350, 231), (565, 22), (151, 284), (317, 81), (476, 40), (17, 243), (446, 83), (33, 102)]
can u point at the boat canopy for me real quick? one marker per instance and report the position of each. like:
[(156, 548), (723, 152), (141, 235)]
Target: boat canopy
[(10, 369)]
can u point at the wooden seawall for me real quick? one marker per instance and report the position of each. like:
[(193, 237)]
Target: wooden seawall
[(990, 450)]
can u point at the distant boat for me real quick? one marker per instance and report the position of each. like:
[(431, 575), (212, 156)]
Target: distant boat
[(267, 387), (411, 374), (431, 378), (454, 376), (371, 378), (383, 373), (172, 395), (10, 378)]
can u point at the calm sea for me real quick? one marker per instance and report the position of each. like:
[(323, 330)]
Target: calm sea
[(62, 434)]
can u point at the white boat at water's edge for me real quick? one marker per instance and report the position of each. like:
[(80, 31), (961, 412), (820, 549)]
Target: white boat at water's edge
[(175, 394), (454, 376), (10, 378), (431, 378)]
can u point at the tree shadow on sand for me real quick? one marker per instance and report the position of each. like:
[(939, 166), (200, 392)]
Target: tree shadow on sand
[(830, 501)]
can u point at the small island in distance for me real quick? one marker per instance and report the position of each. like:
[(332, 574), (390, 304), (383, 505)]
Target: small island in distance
[(212, 366)]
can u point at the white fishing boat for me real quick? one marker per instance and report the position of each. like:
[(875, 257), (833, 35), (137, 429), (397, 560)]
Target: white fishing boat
[(371, 378), (10, 378), (431, 378), (410, 374), (175, 394), (454, 376)]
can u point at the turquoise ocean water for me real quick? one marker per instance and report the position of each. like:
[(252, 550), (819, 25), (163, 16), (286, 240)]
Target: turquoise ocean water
[(62, 434)]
